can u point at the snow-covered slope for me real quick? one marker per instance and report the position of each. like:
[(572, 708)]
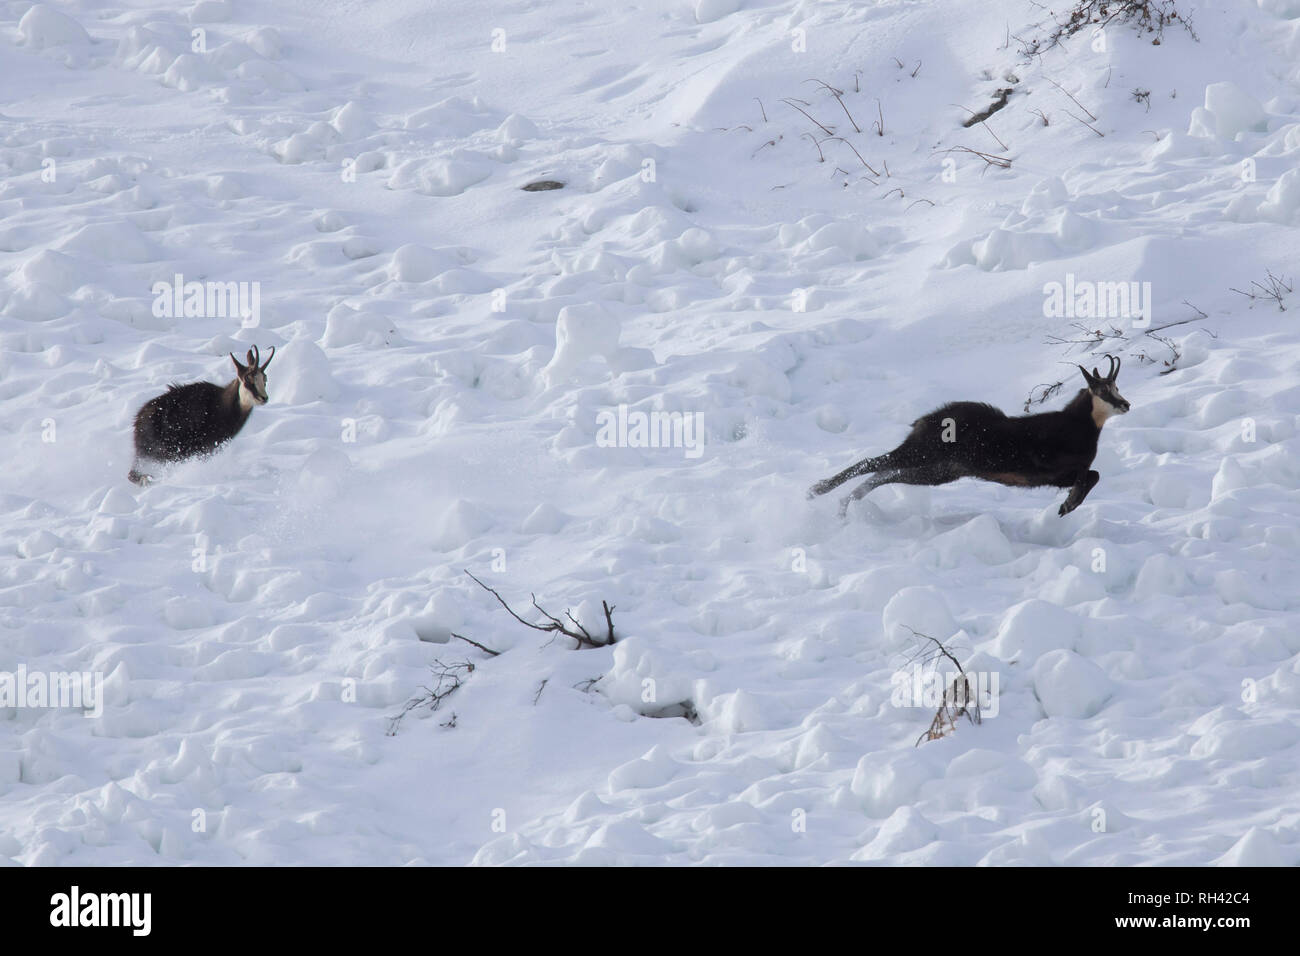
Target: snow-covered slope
[(451, 346)]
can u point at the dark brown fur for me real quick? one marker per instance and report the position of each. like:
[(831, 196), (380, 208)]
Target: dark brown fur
[(195, 419), (974, 440)]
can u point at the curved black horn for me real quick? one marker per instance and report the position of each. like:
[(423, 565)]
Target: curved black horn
[(1114, 368), (268, 359), (1115, 374)]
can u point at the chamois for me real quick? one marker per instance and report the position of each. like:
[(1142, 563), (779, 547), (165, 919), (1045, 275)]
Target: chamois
[(198, 418), (974, 440)]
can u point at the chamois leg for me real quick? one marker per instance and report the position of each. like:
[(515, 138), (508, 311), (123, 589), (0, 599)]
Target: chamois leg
[(1082, 485), (139, 473), (861, 491), (864, 467), (939, 473)]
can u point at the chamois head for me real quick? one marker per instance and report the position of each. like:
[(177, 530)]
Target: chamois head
[(1106, 399), (252, 377)]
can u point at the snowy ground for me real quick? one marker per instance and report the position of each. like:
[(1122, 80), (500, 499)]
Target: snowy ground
[(448, 344)]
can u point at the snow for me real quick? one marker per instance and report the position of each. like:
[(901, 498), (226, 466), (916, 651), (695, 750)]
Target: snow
[(448, 346), (1229, 112), (1068, 685), (43, 26)]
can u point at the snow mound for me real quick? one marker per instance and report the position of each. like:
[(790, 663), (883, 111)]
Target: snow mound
[(1034, 628), (917, 610), (706, 11), (43, 26), (581, 333), (302, 374), (1068, 685), (1229, 112)]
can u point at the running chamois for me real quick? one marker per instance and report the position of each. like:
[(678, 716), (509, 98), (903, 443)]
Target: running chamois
[(198, 418), (974, 440)]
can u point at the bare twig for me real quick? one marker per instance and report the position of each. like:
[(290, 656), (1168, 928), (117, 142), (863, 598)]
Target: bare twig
[(788, 102), (1171, 363), (855, 153), (1047, 392), (448, 679), (576, 632), (1085, 123), (1275, 289), (957, 699), (485, 650), (999, 161), (1091, 336), (1076, 102), (1169, 325), (994, 135), (1149, 17), (838, 94), (821, 157)]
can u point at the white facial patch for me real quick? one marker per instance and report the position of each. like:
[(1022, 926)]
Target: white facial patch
[(246, 397), (1102, 410)]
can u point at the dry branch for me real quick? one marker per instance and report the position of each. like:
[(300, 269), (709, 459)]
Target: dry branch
[(1275, 289), (574, 630), (855, 153), (839, 98), (1001, 162), (957, 699), (787, 101), (448, 679)]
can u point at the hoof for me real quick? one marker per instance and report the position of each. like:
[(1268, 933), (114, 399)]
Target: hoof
[(819, 489)]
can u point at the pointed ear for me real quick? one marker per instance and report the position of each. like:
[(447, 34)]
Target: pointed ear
[(252, 361), (1086, 377), (238, 367)]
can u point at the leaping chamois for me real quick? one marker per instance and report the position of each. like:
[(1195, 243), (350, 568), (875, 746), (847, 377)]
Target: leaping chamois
[(198, 418), (974, 440)]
